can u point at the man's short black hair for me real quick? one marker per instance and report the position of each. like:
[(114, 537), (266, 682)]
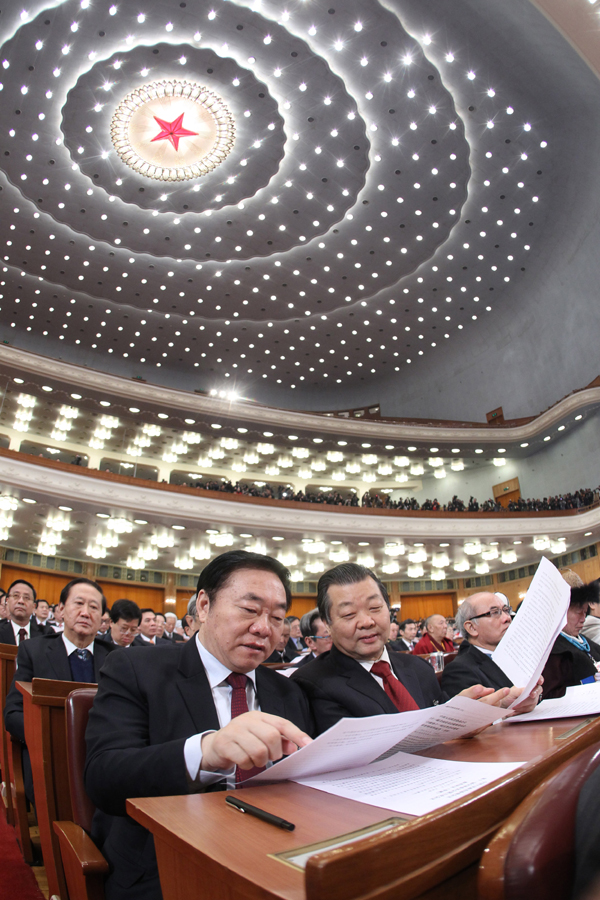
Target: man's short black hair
[(41, 600), (22, 581), (145, 610), (64, 594), (125, 609), (215, 575), (402, 625), (345, 573), (161, 614)]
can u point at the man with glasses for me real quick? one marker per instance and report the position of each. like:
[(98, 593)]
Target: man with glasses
[(20, 603), (316, 636), (125, 618), (482, 619)]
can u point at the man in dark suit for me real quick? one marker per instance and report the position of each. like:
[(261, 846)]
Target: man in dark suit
[(20, 602), (125, 618), (315, 635), (169, 634), (74, 655), (195, 717), (295, 644), (482, 619), (407, 636), (148, 634), (359, 676)]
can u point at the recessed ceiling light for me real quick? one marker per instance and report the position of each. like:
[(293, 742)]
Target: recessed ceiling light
[(267, 433), (18, 381), (363, 543), (389, 446), (178, 527), (277, 538), (517, 542), (165, 416), (335, 543), (104, 403), (133, 409), (577, 418), (190, 421), (455, 450), (342, 443), (411, 449), (365, 446), (246, 535), (445, 544), (243, 430), (103, 515), (76, 396), (66, 508), (525, 444), (317, 440), (140, 521), (433, 449), (212, 531), (292, 437), (46, 387), (479, 451), (28, 500), (494, 543), (419, 545), (215, 425), (587, 534)]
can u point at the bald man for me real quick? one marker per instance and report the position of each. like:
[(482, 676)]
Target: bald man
[(434, 640), (482, 619)]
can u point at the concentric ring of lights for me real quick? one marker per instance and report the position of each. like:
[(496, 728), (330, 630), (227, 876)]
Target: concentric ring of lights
[(151, 98)]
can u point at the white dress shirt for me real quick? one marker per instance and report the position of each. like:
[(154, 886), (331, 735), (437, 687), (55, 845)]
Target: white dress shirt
[(70, 647), (17, 628), (216, 673), (368, 664)]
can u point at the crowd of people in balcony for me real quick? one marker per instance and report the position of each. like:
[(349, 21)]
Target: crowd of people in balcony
[(581, 498)]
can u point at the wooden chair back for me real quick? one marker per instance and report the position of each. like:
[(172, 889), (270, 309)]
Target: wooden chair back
[(11, 760), (8, 654), (533, 854), (77, 710), (45, 733)]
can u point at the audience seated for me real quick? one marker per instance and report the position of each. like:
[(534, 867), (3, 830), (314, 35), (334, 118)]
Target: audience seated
[(75, 655), (20, 624), (573, 659), (148, 631), (278, 654), (169, 633), (434, 640), (407, 636), (125, 618), (315, 635), (359, 676), (295, 644)]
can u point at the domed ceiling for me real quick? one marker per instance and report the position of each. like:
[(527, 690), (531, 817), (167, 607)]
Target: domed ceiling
[(393, 177)]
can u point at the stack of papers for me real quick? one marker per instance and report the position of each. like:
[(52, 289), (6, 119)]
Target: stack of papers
[(580, 700)]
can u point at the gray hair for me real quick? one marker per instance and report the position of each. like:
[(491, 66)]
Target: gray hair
[(170, 615), (465, 611), (307, 623), (191, 608)]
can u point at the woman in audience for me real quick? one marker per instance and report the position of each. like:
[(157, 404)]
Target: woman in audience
[(573, 659)]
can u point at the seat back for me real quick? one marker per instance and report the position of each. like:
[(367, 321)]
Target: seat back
[(8, 655), (533, 855), (77, 710)]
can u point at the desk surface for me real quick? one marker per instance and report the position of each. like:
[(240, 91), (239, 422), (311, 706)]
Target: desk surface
[(219, 852)]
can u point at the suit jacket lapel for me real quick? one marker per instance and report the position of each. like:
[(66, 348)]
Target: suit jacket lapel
[(270, 700), (58, 660), (195, 689), (360, 680)]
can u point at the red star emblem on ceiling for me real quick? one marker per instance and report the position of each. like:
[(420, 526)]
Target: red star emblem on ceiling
[(172, 131)]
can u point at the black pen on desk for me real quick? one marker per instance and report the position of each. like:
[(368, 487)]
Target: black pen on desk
[(244, 807)]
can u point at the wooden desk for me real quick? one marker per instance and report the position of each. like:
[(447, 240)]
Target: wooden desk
[(206, 850), (8, 655), (45, 735)]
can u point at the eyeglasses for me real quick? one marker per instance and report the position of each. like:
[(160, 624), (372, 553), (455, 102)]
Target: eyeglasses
[(321, 637), (13, 596), (493, 613)]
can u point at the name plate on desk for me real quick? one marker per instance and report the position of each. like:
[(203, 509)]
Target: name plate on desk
[(298, 858)]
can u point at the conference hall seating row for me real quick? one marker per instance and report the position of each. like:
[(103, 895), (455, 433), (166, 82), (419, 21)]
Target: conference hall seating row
[(520, 847)]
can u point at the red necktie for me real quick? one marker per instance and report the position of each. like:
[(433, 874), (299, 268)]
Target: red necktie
[(393, 687), (239, 705), (22, 635)]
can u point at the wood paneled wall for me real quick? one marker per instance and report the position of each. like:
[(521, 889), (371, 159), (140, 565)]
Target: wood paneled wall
[(48, 585), (418, 606)]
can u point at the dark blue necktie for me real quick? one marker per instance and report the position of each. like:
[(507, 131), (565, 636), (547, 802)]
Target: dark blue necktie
[(82, 665)]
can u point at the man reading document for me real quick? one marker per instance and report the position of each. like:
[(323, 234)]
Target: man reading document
[(360, 676), (199, 716)]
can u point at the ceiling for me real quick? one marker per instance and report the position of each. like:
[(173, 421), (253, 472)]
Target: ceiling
[(396, 184)]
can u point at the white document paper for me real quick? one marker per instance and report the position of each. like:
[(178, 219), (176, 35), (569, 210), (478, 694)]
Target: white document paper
[(579, 700), (355, 742), (410, 784), (526, 645)]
